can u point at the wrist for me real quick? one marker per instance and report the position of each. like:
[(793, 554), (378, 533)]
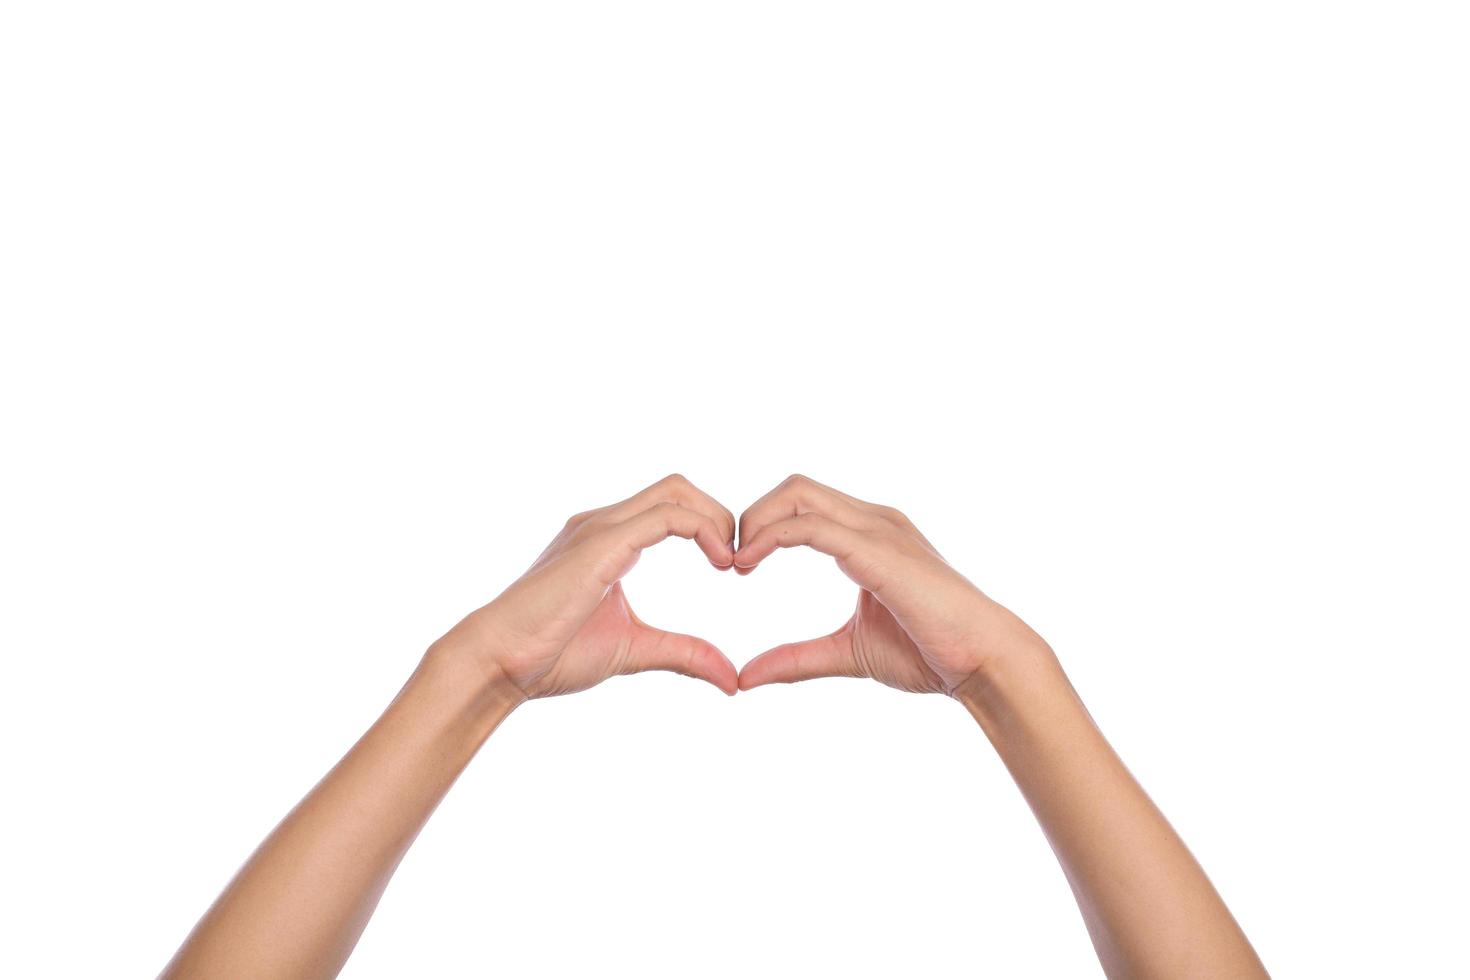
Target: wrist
[(1006, 671), (469, 679), (1011, 658), (1001, 647), (476, 650), (1023, 687)]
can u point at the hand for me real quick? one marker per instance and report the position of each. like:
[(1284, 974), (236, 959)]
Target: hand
[(919, 625), (565, 625)]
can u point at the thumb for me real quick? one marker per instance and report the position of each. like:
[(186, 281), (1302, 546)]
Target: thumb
[(654, 649), (826, 656)]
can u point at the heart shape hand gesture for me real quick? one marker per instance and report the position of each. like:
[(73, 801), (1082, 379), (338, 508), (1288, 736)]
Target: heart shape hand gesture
[(566, 624)]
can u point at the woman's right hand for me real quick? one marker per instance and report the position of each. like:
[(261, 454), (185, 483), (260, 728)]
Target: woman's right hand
[(919, 625), (566, 625)]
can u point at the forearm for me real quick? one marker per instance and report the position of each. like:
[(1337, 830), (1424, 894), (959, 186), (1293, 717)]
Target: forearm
[(298, 906), (1148, 905)]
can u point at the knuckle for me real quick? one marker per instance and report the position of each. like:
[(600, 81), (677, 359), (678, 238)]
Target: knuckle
[(675, 480), (796, 481)]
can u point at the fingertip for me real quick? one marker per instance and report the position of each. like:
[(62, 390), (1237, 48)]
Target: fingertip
[(719, 671), (751, 554), (728, 680), (727, 688)]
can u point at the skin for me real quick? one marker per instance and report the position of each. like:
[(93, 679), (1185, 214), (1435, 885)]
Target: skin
[(298, 906), (921, 626)]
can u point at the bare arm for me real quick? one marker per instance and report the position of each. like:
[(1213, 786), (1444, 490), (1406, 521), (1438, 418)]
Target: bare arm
[(920, 626), (1148, 906), (298, 906)]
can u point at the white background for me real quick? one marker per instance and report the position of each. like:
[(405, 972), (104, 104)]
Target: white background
[(319, 319)]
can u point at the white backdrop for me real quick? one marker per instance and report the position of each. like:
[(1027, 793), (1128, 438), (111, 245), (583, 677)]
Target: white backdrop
[(320, 318)]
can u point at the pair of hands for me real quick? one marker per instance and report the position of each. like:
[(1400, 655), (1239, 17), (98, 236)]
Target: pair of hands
[(300, 902), (566, 625)]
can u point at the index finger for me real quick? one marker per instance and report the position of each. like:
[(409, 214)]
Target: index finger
[(676, 489), (621, 544), (797, 495)]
